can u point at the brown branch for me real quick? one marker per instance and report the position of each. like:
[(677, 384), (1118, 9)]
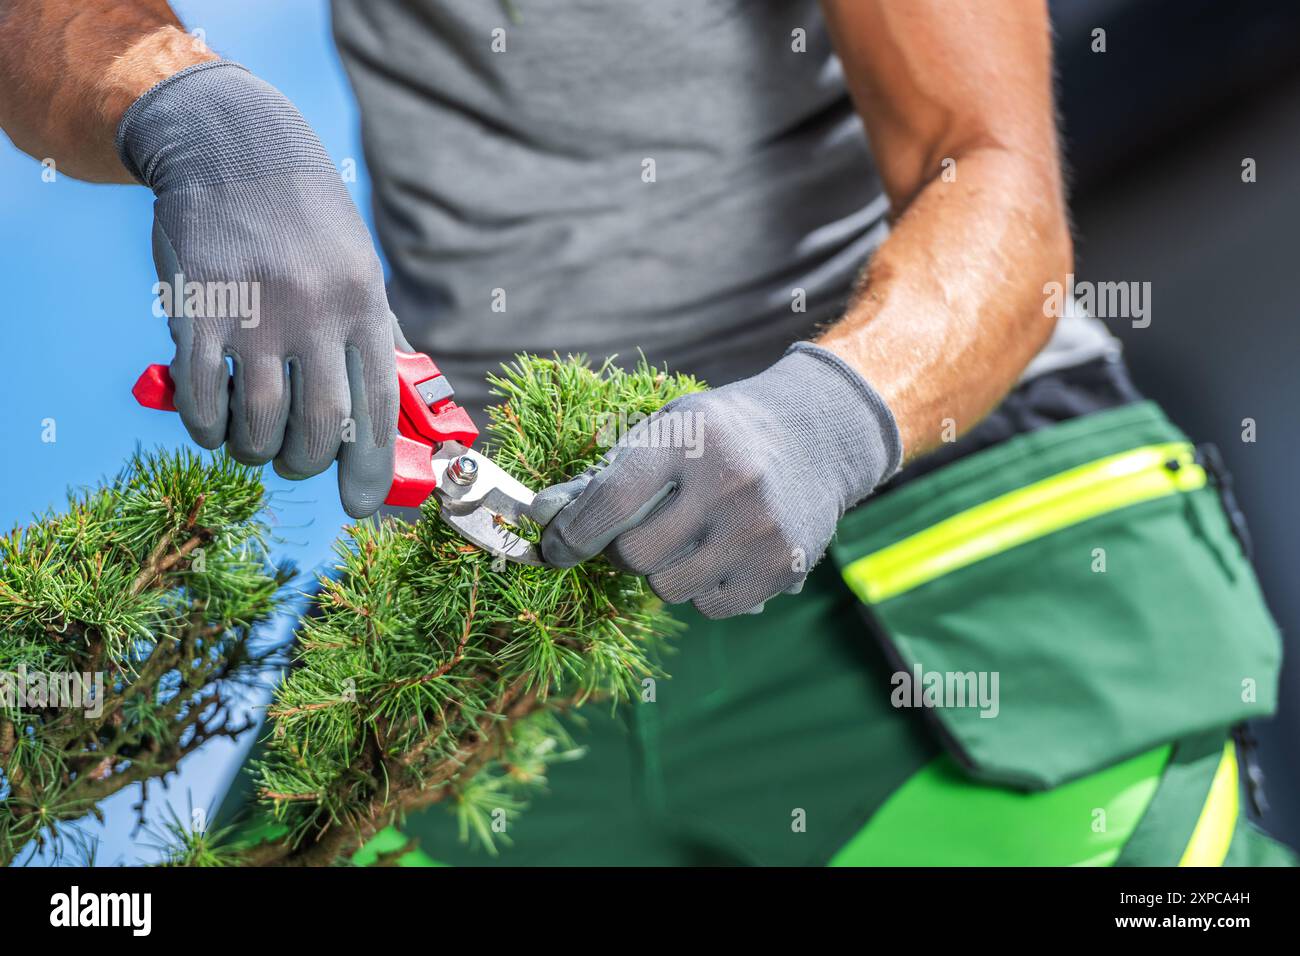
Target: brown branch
[(335, 841), (277, 795), (306, 708), (150, 568), (509, 412), (160, 562), (8, 739), (460, 647), (337, 598)]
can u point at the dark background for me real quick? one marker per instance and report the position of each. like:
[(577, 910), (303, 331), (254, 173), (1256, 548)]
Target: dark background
[(1156, 129)]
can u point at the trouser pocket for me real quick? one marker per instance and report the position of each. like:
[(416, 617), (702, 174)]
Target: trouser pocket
[(1067, 599)]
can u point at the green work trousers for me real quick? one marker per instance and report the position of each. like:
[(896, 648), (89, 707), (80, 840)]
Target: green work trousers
[(1090, 566)]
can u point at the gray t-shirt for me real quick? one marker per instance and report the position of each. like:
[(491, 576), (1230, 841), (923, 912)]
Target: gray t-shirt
[(682, 178)]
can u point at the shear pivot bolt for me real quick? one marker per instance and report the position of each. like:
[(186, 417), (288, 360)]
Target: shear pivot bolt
[(463, 470)]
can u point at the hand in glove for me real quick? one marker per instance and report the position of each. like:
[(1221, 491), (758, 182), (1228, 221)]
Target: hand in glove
[(744, 510), (250, 207)]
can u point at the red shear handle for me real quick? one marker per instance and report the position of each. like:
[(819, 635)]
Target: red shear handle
[(413, 477), (155, 389), (427, 418), (428, 413)]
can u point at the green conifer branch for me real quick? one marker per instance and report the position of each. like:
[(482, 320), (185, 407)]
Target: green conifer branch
[(426, 672), (149, 588)]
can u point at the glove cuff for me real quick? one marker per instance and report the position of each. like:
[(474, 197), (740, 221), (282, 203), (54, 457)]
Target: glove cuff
[(862, 428), (214, 122)]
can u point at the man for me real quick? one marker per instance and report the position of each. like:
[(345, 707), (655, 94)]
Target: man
[(691, 179)]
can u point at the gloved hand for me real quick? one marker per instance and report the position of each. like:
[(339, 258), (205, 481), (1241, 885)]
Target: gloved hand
[(744, 510), (251, 208)]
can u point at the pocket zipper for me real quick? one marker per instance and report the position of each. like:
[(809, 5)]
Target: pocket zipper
[(1034, 511)]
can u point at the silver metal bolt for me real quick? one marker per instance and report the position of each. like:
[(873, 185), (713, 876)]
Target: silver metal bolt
[(463, 470)]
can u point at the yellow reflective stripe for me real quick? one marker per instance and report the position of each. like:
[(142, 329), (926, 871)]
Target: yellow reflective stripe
[(1073, 496), (1213, 833)]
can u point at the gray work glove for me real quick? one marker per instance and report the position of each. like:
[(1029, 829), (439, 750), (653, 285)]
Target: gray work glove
[(729, 497), (250, 206)]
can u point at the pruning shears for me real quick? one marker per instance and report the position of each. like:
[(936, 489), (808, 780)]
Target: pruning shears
[(432, 455)]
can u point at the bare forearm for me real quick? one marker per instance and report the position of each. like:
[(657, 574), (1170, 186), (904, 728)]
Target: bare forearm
[(950, 310), (69, 69), (956, 96)]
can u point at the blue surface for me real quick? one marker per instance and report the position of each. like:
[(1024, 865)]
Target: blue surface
[(79, 327)]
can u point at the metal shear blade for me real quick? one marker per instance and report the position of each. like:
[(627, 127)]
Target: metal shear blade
[(481, 501)]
